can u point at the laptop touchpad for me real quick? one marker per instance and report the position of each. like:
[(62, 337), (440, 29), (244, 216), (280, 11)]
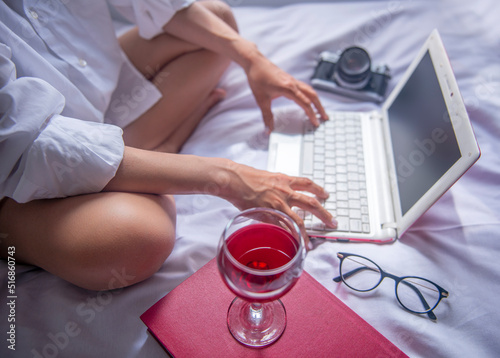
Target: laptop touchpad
[(285, 154)]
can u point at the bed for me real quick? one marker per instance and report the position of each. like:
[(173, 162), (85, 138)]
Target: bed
[(456, 243)]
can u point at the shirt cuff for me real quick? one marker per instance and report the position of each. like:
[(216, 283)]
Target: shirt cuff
[(150, 16), (70, 157)]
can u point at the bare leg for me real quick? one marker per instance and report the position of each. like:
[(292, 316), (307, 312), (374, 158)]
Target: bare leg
[(185, 74), (190, 81), (92, 240), (175, 141)]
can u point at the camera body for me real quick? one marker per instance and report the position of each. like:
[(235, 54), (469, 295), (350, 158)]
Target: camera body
[(349, 73)]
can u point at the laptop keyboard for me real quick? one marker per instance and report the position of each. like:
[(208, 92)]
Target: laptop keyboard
[(333, 158)]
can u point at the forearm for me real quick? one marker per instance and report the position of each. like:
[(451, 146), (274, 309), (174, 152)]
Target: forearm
[(143, 171), (151, 172), (198, 25)]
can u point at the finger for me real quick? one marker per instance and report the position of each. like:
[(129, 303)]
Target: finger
[(308, 108), (267, 114), (312, 205), (296, 95), (300, 223), (306, 184), (313, 96), (309, 98)]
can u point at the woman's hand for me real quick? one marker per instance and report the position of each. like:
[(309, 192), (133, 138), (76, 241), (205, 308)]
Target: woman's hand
[(248, 187), (197, 25), (268, 82), (143, 171)]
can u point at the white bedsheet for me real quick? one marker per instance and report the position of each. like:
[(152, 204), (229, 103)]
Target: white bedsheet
[(456, 243)]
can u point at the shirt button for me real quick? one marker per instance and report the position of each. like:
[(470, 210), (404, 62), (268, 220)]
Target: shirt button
[(82, 62), (33, 14)]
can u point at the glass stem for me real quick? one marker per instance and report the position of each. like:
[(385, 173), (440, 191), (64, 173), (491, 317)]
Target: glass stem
[(255, 314)]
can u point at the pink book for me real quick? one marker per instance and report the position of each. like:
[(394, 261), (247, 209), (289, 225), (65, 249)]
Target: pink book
[(190, 322)]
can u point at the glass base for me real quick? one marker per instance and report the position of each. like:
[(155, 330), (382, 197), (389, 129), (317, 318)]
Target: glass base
[(256, 324)]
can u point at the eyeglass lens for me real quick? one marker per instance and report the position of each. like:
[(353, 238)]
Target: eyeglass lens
[(417, 295), (360, 274)]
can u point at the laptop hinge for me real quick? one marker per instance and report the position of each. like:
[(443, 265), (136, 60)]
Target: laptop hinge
[(390, 225)]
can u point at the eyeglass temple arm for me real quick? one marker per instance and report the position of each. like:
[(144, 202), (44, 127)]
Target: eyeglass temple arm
[(353, 272)]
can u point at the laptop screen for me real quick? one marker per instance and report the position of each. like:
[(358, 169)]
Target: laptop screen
[(423, 140)]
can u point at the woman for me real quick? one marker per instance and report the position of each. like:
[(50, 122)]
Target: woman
[(84, 198)]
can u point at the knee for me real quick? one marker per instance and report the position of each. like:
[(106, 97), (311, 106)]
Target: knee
[(222, 10), (148, 238), (140, 236)]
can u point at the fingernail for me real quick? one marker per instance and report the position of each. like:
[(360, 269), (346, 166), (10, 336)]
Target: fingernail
[(323, 118), (334, 223)]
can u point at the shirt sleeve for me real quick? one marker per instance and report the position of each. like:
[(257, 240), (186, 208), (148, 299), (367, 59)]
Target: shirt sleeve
[(44, 154), (150, 16)]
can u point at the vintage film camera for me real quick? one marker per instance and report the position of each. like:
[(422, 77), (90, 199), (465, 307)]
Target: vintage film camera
[(350, 73)]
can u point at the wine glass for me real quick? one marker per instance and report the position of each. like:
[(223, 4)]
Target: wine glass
[(260, 258)]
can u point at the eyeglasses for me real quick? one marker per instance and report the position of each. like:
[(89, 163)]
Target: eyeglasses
[(415, 294)]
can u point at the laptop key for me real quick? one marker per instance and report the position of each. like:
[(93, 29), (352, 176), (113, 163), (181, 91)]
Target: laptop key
[(343, 212), (355, 214), (355, 225), (341, 195), (342, 204), (330, 205), (317, 224), (343, 223), (366, 228)]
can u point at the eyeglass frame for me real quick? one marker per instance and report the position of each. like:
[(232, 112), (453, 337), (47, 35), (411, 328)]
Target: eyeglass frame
[(383, 274)]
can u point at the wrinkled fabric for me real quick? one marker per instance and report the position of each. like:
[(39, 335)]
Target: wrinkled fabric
[(66, 90)]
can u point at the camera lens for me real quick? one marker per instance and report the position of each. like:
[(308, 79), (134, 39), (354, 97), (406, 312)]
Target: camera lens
[(353, 68)]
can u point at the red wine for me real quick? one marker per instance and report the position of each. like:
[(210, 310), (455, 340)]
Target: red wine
[(260, 247)]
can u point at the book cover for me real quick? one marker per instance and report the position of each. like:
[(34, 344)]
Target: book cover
[(190, 321)]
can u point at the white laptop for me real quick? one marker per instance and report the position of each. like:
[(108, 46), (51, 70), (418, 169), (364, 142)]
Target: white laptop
[(383, 169)]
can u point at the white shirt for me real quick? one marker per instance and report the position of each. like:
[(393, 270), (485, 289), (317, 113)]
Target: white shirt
[(66, 90)]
